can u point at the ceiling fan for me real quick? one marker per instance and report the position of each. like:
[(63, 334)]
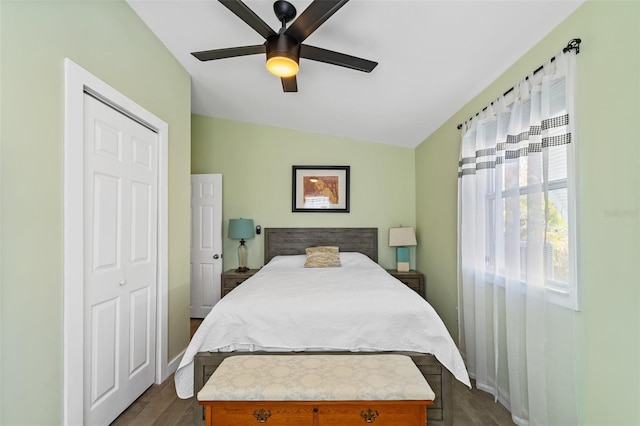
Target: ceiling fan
[(284, 48)]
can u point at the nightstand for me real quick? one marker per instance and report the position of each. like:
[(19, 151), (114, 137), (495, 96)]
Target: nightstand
[(413, 279), (232, 279)]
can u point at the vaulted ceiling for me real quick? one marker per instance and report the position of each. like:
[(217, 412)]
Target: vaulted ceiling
[(434, 56)]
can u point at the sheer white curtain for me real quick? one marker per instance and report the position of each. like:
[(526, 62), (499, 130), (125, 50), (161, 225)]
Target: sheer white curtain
[(516, 247)]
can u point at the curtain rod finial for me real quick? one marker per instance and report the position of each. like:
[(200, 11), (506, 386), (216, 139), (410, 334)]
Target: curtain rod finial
[(573, 44)]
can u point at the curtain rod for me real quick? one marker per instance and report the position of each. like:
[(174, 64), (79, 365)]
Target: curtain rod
[(573, 44)]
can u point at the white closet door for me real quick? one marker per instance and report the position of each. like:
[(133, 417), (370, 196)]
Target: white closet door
[(120, 263), (206, 242)]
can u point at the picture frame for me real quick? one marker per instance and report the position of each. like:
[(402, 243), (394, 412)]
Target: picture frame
[(320, 189)]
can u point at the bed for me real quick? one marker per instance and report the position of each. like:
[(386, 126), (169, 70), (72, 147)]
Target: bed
[(322, 313)]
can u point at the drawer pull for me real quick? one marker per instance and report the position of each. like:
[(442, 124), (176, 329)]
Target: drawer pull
[(369, 416), (262, 415)]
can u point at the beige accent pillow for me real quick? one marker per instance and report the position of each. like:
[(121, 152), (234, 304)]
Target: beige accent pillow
[(322, 257)]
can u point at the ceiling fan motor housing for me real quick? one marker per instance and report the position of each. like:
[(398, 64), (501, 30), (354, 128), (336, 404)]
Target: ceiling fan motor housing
[(283, 45)]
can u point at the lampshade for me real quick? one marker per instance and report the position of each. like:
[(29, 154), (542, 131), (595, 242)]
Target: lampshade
[(241, 229), (282, 66), (402, 237)]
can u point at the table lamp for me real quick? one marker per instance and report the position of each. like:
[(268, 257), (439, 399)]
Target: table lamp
[(402, 238), (241, 229)]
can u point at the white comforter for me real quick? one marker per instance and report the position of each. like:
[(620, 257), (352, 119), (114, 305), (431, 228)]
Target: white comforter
[(356, 307)]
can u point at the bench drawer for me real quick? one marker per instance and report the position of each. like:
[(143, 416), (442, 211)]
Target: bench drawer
[(312, 413), (377, 413), (255, 412)]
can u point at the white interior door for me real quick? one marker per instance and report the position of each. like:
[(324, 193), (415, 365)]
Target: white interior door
[(206, 242), (120, 260)]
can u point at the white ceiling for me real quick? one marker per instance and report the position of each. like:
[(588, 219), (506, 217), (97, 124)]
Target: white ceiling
[(434, 56)]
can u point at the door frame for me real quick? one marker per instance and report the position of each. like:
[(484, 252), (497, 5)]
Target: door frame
[(78, 81)]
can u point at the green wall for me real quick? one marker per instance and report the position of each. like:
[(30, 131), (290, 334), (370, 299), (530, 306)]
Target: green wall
[(109, 40), (608, 134), (255, 162)]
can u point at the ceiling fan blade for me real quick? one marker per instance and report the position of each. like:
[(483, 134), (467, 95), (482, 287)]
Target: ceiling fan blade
[(336, 58), (230, 52), (289, 84), (247, 15), (312, 17)]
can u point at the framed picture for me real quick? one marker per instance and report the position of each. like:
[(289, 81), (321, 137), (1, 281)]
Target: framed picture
[(320, 189)]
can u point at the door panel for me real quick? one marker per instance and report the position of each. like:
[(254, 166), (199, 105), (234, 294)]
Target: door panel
[(139, 329), (140, 232), (107, 140), (207, 271), (104, 378), (106, 204)]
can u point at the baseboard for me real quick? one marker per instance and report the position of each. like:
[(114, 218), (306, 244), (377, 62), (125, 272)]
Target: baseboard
[(174, 363)]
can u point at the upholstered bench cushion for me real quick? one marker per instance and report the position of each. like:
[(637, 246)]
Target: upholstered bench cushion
[(316, 378)]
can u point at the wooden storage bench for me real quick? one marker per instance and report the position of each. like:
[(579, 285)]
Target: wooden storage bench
[(316, 390)]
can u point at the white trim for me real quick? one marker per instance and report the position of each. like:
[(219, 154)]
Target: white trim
[(575, 291), (175, 363), (77, 82)]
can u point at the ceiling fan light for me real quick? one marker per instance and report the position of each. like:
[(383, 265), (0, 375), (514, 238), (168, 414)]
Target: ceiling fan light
[(282, 66)]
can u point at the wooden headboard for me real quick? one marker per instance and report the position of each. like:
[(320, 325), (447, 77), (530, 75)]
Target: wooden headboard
[(289, 241)]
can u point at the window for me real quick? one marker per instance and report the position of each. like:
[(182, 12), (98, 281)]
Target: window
[(523, 183)]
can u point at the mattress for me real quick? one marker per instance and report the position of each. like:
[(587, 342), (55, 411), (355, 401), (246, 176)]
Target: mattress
[(357, 307)]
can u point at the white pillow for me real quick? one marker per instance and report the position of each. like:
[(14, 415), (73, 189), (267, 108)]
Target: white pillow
[(355, 259), (285, 263)]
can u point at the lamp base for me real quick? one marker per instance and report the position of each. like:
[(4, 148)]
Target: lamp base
[(402, 267), (402, 259), (242, 257)]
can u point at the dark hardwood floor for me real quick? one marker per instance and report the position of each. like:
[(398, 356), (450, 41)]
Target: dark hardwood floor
[(160, 406), (475, 407)]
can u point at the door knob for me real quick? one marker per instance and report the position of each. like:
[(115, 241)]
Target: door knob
[(215, 256), (122, 282)]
